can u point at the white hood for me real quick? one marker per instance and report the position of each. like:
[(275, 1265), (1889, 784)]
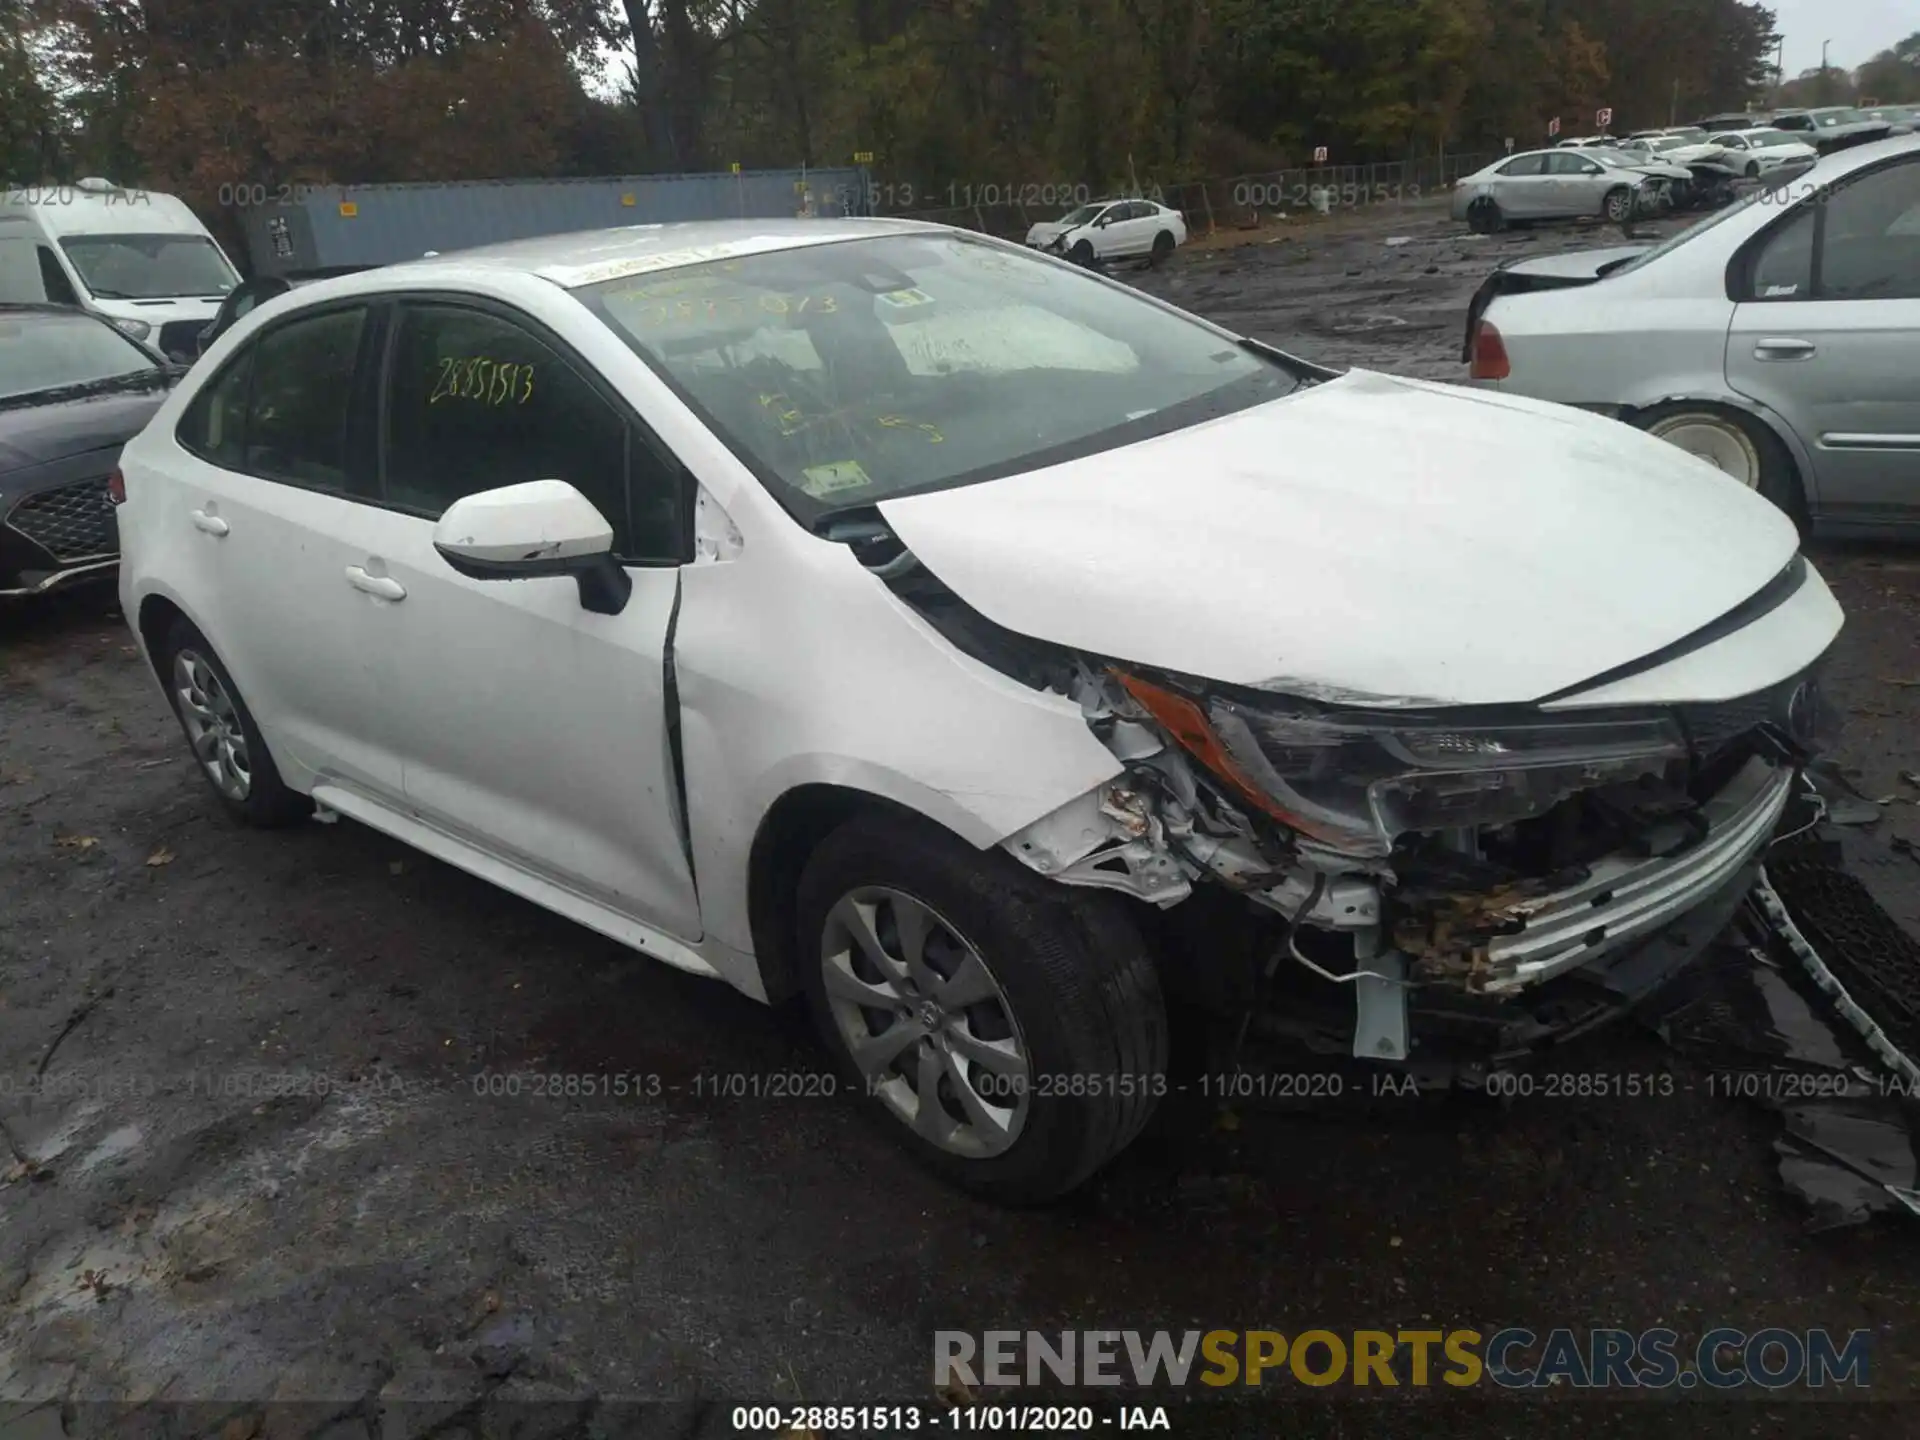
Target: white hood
[(1371, 538)]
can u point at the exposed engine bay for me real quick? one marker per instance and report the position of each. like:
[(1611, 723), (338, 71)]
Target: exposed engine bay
[(1417, 857)]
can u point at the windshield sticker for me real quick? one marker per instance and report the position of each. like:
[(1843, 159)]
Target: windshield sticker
[(1775, 292), (820, 480), (481, 379), (903, 299), (734, 307)]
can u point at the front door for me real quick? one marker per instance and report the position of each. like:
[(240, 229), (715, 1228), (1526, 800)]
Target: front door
[(525, 723), (1826, 336)]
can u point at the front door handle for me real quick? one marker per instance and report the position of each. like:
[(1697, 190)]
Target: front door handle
[(385, 586), (212, 524), (1784, 350)]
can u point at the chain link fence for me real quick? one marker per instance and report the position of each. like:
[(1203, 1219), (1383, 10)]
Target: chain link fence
[(1230, 203)]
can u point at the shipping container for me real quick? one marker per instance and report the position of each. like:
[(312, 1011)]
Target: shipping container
[(296, 229)]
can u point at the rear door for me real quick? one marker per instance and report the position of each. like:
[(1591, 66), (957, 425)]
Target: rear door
[(1524, 188), (1827, 331), (1580, 183), (272, 502)]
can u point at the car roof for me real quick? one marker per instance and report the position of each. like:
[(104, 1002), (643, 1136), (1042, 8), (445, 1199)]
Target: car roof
[(587, 257)]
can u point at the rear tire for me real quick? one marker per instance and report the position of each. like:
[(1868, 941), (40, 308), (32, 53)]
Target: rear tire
[(226, 743), (1484, 216), (1162, 249), (1018, 1039), (1618, 206), (1735, 444)]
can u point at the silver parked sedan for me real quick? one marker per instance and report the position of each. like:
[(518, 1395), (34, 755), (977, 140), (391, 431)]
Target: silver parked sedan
[(1557, 184), (1776, 339)]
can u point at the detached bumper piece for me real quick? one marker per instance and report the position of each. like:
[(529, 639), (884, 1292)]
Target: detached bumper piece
[(1625, 898)]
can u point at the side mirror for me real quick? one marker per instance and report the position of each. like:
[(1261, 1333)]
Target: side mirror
[(541, 528)]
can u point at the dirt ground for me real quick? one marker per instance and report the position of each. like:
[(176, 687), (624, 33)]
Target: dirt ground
[(248, 1085)]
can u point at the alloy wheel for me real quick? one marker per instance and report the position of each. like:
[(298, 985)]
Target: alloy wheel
[(213, 725), (926, 1022)]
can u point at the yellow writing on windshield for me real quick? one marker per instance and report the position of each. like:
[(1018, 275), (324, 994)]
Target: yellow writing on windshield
[(735, 307), (482, 379)]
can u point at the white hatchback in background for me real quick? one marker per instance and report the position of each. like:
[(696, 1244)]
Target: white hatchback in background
[(986, 651), (1775, 339), (140, 258), (1108, 230)]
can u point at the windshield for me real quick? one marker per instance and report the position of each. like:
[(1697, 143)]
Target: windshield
[(1838, 117), (854, 371), (149, 267), (1765, 194), (1083, 214), (1770, 139), (42, 350), (1672, 142)]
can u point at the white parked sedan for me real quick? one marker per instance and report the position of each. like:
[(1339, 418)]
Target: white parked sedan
[(1776, 339), (1108, 230), (1755, 153), (883, 613)]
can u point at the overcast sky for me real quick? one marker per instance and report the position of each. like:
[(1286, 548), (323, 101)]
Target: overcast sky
[(1859, 29)]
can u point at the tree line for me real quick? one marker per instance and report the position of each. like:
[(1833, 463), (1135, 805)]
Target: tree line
[(196, 95)]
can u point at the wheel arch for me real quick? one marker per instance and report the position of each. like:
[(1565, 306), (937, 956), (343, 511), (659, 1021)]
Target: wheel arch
[(1805, 477), (788, 833)]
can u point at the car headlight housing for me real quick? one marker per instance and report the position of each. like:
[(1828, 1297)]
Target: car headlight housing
[(138, 329), (1356, 781)]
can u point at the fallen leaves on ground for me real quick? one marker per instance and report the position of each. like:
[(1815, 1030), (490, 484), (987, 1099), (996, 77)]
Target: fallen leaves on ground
[(161, 856), (75, 842)]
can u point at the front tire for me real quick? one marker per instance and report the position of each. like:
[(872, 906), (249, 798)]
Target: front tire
[(1082, 254), (1734, 444), (221, 732), (1008, 1030)]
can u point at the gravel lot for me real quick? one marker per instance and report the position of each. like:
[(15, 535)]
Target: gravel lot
[(254, 1157)]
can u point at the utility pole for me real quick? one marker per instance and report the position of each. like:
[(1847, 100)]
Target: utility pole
[(1826, 94), (1673, 109), (1779, 70)]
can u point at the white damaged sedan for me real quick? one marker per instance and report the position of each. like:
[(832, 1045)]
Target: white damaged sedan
[(991, 654)]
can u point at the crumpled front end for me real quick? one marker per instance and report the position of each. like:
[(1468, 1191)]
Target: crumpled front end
[(1433, 865)]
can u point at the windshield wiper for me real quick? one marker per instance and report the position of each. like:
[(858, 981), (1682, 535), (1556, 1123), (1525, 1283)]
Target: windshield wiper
[(100, 294), (86, 389)]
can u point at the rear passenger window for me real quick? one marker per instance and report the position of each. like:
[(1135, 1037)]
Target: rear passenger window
[(476, 402), (297, 415), (215, 425), (1783, 267)]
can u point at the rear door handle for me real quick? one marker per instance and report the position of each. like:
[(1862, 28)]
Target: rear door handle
[(212, 524), (1784, 350), (385, 586)]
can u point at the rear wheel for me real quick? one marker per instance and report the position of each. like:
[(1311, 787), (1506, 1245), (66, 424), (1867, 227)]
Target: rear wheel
[(1009, 1031), (1484, 216), (225, 741), (1619, 205), (1734, 444), (1162, 249)]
